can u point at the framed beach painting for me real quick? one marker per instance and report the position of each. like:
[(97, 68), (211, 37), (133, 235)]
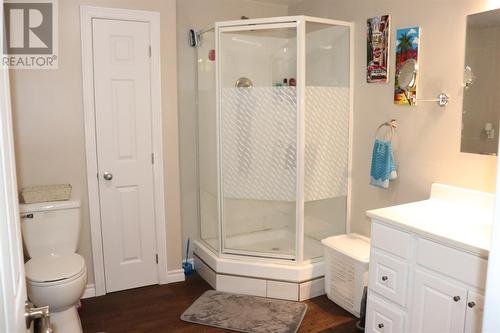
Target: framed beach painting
[(407, 56), (377, 57)]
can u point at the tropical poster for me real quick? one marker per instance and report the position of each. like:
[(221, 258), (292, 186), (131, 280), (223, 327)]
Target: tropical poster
[(407, 47), (377, 57)]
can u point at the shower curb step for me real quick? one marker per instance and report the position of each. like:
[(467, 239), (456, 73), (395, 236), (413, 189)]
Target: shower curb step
[(285, 290)]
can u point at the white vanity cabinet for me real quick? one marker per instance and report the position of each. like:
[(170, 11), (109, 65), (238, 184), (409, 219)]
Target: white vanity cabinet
[(419, 284), (439, 304), (443, 305), (474, 312)]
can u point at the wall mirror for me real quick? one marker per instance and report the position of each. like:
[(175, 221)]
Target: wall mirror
[(481, 82), (407, 75)]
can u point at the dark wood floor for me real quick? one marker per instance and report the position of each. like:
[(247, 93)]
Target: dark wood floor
[(158, 308)]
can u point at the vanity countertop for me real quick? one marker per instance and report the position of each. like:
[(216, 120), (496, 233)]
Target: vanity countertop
[(454, 216)]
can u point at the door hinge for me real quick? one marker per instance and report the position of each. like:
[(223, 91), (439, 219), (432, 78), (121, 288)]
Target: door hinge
[(156, 257), (150, 51), (152, 158), (98, 176)]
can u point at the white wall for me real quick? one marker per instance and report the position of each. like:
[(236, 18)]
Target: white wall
[(48, 119), (428, 141), (199, 14), (491, 320)]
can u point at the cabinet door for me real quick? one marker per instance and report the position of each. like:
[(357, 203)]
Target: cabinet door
[(438, 305), (474, 313)]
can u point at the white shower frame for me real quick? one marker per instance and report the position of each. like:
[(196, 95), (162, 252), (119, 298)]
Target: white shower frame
[(299, 22)]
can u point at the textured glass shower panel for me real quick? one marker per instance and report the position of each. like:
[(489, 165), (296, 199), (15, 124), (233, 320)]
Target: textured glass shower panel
[(259, 148), (327, 134), (259, 142), (207, 141)]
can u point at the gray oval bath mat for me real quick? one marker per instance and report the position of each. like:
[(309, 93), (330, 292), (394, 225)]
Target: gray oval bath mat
[(244, 313)]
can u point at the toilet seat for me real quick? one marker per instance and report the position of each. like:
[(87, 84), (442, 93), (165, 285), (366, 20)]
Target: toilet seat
[(54, 269)]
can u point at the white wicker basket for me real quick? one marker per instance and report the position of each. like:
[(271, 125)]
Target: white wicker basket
[(346, 270), (43, 193)]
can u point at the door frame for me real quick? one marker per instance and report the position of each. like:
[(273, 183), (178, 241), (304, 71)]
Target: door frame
[(87, 14), (12, 275)]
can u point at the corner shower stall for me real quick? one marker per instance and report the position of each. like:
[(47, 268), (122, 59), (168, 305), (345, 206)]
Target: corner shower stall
[(274, 126)]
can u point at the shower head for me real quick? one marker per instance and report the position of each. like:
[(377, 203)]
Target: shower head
[(243, 82)]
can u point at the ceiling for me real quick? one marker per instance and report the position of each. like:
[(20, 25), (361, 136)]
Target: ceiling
[(281, 2)]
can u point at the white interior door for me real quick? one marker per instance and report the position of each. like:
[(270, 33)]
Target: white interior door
[(124, 152), (12, 278)]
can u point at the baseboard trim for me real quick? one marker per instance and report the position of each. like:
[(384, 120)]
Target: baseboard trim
[(176, 275), (89, 291)]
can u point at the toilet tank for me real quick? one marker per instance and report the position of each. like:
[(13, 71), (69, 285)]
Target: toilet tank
[(50, 227)]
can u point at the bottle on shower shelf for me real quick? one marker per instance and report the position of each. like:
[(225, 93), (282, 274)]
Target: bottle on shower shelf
[(292, 82), (285, 82)]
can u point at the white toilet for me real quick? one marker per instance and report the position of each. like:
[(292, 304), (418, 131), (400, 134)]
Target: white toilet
[(55, 275)]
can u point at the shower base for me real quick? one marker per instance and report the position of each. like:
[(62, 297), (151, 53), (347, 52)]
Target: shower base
[(274, 243), (261, 276)]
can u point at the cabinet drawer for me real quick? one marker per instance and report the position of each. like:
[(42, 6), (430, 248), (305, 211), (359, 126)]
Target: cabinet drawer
[(453, 263), (391, 240), (388, 276), (382, 317)]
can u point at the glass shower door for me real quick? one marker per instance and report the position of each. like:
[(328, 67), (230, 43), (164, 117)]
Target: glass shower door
[(258, 139), (326, 155)]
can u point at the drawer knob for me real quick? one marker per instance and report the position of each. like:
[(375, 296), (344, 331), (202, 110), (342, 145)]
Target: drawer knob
[(456, 298), (385, 278), (380, 325), (471, 304)]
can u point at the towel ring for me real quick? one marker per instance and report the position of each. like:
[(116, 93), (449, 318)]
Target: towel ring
[(391, 124)]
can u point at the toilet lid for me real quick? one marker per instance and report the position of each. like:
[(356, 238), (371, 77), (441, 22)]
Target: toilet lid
[(49, 268)]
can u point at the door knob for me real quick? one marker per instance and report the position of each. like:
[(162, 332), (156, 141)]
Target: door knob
[(107, 176), (471, 304), (31, 313), (456, 298), (385, 278)]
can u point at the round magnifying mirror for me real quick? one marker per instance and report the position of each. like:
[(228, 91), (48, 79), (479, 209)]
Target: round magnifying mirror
[(407, 74)]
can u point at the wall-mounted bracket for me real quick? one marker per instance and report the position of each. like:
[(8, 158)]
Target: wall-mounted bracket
[(442, 99)]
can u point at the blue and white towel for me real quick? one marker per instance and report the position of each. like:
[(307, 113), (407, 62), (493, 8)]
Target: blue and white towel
[(383, 166)]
